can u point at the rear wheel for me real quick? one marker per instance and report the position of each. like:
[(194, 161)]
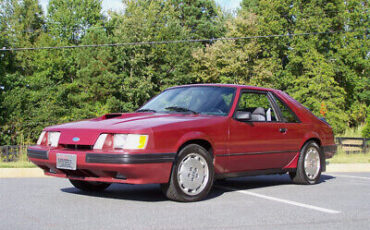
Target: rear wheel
[(309, 165), (89, 186), (192, 175)]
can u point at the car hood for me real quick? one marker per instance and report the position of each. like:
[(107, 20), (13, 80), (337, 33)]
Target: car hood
[(87, 131)]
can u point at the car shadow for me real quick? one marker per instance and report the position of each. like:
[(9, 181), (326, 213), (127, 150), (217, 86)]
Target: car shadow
[(244, 183), (152, 192), (148, 192)]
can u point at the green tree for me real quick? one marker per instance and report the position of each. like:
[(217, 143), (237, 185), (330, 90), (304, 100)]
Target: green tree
[(326, 71), (5, 61), (310, 59), (366, 130), (51, 86), (316, 86), (25, 21), (97, 82), (273, 18), (351, 60), (148, 69), (202, 18), (22, 26), (69, 19), (38, 95), (233, 62), (316, 69)]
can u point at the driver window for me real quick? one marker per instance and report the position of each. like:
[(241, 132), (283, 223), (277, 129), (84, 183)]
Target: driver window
[(258, 105)]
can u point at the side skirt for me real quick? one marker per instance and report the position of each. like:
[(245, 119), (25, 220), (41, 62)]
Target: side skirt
[(254, 173)]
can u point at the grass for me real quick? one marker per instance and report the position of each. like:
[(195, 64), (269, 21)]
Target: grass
[(17, 164), (343, 158), (22, 162), (353, 131)]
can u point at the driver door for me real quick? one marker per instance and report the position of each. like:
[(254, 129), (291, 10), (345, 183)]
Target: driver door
[(261, 142)]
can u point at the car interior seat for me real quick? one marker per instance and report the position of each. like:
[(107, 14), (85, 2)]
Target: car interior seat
[(259, 114), (268, 114)]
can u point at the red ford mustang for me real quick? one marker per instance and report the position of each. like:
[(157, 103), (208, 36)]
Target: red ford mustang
[(188, 136)]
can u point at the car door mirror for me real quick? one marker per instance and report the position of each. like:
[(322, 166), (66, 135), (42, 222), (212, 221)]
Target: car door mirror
[(243, 116)]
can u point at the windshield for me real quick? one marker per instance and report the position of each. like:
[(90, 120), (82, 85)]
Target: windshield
[(198, 99)]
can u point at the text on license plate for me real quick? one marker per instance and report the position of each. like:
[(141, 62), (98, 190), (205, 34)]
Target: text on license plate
[(66, 161)]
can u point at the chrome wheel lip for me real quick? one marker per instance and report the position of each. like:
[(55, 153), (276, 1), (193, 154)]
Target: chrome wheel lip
[(312, 163), (193, 174)]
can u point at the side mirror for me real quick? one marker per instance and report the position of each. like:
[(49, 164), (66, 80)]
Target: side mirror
[(243, 116)]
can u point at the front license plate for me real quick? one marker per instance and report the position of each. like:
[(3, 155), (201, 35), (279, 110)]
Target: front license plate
[(66, 161)]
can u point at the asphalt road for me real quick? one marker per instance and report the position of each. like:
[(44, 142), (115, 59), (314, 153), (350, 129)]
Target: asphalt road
[(340, 201)]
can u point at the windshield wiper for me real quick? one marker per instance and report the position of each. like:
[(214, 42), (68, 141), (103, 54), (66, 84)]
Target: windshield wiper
[(180, 109), (146, 110)]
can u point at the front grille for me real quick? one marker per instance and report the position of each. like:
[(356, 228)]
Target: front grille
[(78, 147)]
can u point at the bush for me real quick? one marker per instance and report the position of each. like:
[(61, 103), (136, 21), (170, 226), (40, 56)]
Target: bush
[(366, 130)]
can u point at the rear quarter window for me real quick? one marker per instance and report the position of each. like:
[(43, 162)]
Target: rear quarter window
[(288, 115)]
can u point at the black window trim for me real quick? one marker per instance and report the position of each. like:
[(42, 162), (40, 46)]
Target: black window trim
[(275, 107), (275, 97)]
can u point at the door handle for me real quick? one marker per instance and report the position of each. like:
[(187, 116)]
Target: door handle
[(283, 130)]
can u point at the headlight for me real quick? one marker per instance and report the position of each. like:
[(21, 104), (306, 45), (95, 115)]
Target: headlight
[(121, 141), (53, 138), (135, 141)]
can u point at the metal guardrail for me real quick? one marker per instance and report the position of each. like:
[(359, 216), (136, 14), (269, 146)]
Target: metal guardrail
[(10, 153), (353, 144)]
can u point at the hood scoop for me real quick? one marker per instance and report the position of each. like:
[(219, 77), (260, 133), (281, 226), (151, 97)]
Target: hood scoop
[(110, 116)]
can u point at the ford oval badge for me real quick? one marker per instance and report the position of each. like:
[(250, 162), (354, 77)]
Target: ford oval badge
[(76, 139)]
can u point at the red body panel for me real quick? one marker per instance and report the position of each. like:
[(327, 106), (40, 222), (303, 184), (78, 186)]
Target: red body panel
[(134, 173), (259, 138), (236, 146)]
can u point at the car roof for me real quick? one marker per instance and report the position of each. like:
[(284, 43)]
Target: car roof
[(228, 85)]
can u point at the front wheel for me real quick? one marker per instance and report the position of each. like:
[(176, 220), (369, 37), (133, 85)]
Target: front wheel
[(89, 186), (192, 175), (309, 165)]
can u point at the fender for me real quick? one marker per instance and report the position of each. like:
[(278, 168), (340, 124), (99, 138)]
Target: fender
[(309, 135), (294, 162), (219, 163), (196, 135)]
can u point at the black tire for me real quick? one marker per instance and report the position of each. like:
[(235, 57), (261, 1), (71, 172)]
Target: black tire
[(89, 186), (172, 189), (300, 175)]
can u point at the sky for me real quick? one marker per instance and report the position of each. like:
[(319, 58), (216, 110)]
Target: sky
[(116, 5)]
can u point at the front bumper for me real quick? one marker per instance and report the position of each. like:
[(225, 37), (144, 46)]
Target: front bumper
[(130, 168)]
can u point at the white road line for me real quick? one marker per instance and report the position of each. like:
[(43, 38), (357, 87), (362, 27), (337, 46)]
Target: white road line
[(348, 176), (330, 211)]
